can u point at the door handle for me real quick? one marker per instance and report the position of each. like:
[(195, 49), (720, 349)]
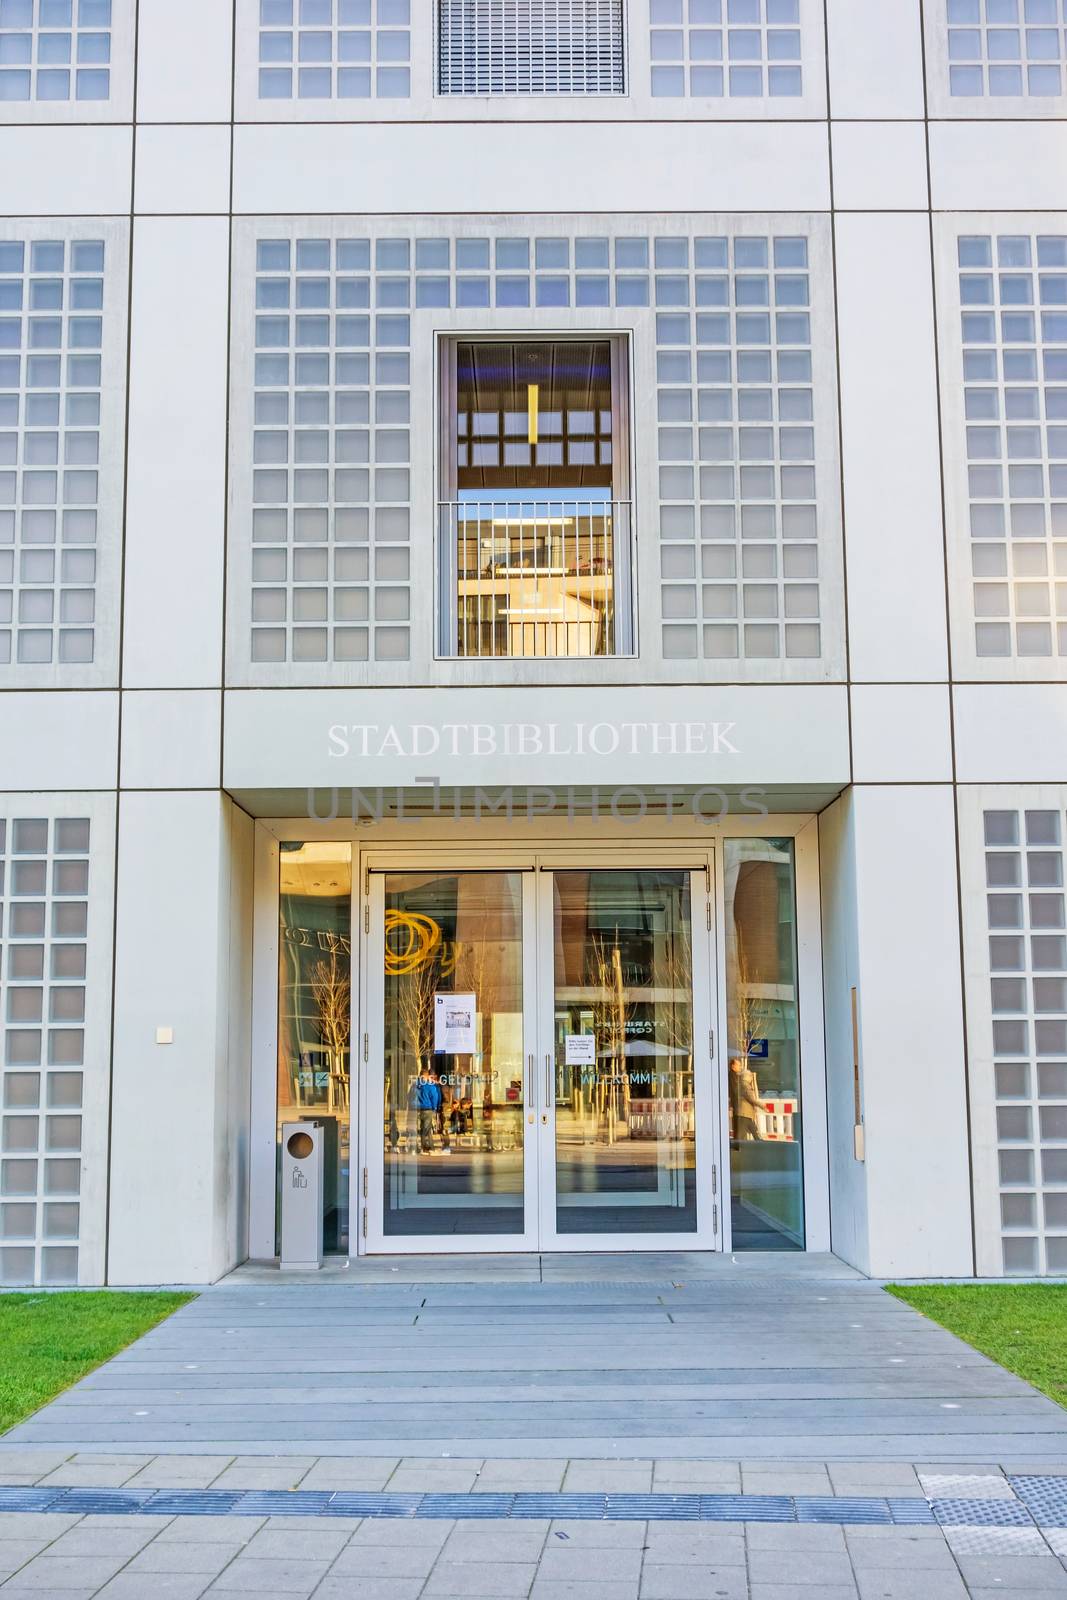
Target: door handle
[(549, 1095), (530, 1094)]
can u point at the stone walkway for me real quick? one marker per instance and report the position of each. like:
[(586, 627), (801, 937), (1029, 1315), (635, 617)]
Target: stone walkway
[(608, 1358), (632, 1376), (330, 1558)]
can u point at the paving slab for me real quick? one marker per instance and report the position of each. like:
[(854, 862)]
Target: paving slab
[(795, 1364)]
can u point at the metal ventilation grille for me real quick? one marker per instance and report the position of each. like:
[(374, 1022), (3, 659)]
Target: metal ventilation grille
[(531, 47)]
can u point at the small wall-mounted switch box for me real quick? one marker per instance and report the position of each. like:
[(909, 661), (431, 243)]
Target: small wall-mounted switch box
[(164, 1035)]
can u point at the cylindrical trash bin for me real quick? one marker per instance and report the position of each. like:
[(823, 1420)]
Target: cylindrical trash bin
[(302, 1172)]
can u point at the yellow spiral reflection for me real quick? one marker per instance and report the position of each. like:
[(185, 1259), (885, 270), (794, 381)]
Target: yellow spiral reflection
[(410, 941)]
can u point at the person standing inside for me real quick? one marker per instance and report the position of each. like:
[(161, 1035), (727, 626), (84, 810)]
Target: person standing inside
[(427, 1106)]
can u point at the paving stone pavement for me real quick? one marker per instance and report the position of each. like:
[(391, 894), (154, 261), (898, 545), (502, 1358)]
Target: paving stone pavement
[(591, 1375), (184, 1557)]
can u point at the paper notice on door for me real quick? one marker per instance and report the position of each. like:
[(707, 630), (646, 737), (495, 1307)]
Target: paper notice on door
[(580, 1049), (453, 1024)]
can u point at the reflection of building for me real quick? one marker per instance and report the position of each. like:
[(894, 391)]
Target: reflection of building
[(445, 520)]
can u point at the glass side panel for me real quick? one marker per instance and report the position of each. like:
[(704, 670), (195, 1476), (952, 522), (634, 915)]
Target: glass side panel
[(315, 1011), (453, 1056), (766, 1165), (625, 1118)]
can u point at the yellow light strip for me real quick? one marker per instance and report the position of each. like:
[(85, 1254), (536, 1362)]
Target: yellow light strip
[(532, 391)]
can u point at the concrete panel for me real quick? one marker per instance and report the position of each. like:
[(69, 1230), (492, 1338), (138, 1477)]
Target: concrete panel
[(178, 1128), (893, 522), (901, 733), (183, 169), (875, 59), (177, 450), (911, 1032), (1011, 732), (184, 61), (693, 167), (725, 736), (59, 741), (878, 166), (1005, 166), (171, 739), (66, 172)]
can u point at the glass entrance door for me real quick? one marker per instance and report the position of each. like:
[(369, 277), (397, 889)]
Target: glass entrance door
[(540, 1066)]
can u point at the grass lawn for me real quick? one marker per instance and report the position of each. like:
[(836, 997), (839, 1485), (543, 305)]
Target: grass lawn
[(1021, 1325), (49, 1341)]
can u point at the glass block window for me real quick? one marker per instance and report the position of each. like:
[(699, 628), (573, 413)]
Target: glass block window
[(531, 47), (1013, 292), (1028, 966), (51, 328), (44, 887), (1007, 47), (738, 526), (55, 50), (334, 49), (331, 475), (734, 48)]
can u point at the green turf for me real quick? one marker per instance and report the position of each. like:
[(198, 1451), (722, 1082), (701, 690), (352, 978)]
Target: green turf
[(1021, 1325), (49, 1341)]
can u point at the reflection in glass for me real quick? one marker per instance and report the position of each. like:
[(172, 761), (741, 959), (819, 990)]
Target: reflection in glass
[(766, 1169), (315, 1011), (625, 1126), (453, 1100), (535, 522)]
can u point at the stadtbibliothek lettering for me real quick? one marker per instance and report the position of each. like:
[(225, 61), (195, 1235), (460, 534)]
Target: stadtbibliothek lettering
[(368, 740)]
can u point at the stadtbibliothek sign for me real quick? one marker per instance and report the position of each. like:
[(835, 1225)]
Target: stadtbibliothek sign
[(373, 740), (731, 734)]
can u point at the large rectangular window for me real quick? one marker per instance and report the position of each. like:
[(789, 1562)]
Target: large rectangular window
[(315, 1012), (535, 525), (766, 1166), (487, 47)]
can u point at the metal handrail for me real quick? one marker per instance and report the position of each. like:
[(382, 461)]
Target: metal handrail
[(534, 576)]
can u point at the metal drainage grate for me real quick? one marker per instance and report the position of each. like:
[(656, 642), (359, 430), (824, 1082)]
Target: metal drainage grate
[(843, 1510)]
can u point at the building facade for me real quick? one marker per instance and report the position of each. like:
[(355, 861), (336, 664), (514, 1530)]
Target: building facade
[(533, 629)]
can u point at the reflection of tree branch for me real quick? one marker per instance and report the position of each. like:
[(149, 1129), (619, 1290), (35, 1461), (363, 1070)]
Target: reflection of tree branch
[(414, 1006), (331, 989), (747, 1008)]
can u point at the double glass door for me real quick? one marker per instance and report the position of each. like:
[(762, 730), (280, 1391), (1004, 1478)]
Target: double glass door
[(539, 1059)]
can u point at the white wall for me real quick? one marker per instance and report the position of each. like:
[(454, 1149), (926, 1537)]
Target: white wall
[(907, 955), (179, 1122)]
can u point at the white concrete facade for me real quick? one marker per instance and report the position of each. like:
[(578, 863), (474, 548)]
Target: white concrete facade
[(888, 672)]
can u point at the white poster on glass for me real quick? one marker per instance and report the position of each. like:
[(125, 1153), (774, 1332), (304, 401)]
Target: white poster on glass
[(453, 1024), (580, 1049)]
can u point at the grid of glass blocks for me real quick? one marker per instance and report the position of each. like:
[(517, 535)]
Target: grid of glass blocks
[(1013, 292), (1007, 47), (1028, 966), (55, 50), (44, 887), (735, 48), (738, 530), (531, 47), (51, 299), (334, 49), (331, 476)]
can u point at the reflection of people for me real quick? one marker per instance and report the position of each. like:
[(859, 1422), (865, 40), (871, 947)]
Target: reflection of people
[(444, 1111), (744, 1100), (427, 1105)]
